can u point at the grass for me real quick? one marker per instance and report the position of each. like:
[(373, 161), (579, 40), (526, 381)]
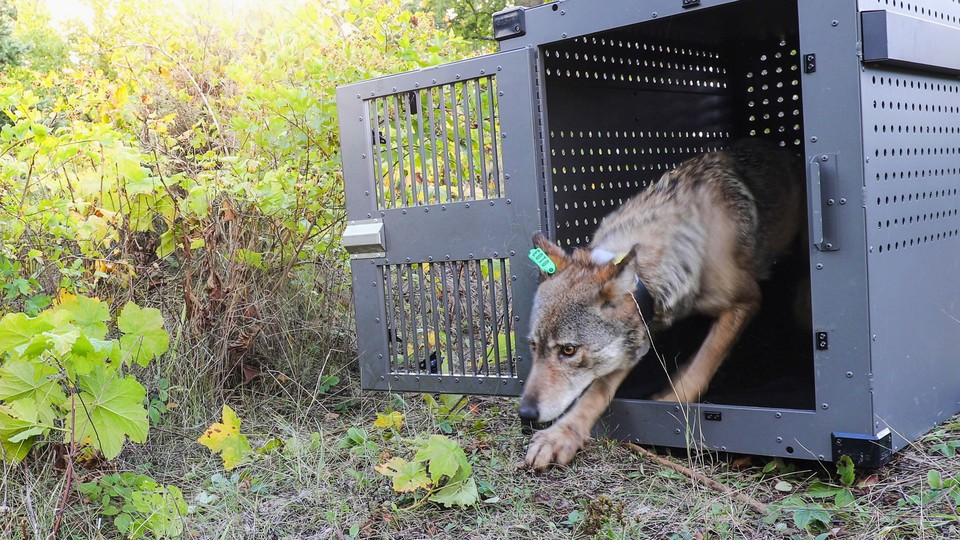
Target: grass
[(311, 485), (314, 487)]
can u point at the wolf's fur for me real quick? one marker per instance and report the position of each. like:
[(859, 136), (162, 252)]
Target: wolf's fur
[(699, 239)]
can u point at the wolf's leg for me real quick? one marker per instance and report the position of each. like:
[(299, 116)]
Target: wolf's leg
[(560, 442), (694, 378)]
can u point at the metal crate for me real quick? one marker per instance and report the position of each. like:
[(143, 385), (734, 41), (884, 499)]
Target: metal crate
[(449, 171)]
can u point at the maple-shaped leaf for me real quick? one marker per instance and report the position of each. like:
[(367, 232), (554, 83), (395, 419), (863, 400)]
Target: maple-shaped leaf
[(17, 330), (143, 335), (457, 493), (32, 383), (108, 410), (87, 353), (88, 314), (444, 457), (225, 438), (406, 475), (387, 421), (61, 338), (17, 431)]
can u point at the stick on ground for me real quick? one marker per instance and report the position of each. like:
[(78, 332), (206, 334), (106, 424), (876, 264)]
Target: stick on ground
[(710, 482)]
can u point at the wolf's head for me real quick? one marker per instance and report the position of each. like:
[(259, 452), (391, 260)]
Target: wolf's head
[(585, 325)]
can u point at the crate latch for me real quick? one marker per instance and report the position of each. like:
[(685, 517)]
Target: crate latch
[(364, 239)]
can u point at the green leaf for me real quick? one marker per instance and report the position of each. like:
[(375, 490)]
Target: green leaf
[(844, 498), (444, 457), (144, 337), (17, 330), (933, 478), (811, 514), (15, 420), (457, 493), (108, 410), (845, 470), (784, 486), (34, 383), (87, 354), (407, 475), (89, 314)]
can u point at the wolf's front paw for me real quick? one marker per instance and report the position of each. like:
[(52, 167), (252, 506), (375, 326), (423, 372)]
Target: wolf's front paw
[(554, 446)]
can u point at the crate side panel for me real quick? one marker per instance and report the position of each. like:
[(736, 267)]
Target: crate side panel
[(911, 128)]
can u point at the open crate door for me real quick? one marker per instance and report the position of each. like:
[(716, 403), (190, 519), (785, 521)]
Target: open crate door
[(443, 176)]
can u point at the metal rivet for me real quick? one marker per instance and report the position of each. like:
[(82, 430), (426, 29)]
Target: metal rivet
[(513, 278), (499, 68), (819, 266), (458, 75), (834, 22), (482, 71), (404, 212), (443, 208), (456, 380), (377, 320), (779, 439), (430, 258), (408, 259), (434, 81), (843, 200), (821, 458), (824, 406), (470, 255), (491, 203), (367, 193), (829, 245), (512, 253), (374, 283), (830, 202), (358, 96), (503, 135), (495, 254), (380, 356), (381, 377), (564, 34), (363, 156), (439, 379), (509, 201), (563, 12), (778, 415), (516, 317), (874, 337), (824, 158), (446, 257), (466, 205), (360, 118), (723, 448), (506, 177), (394, 88), (813, 139), (676, 431), (849, 374), (653, 15), (676, 407), (417, 379), (396, 378)]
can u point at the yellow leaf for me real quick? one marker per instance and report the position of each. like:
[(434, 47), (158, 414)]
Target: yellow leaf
[(225, 439), (386, 421)]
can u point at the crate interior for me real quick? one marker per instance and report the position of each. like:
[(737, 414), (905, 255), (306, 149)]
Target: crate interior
[(626, 105)]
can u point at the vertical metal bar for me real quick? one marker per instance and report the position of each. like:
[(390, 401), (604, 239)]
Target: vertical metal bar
[(424, 318), (391, 321), (373, 109), (455, 113), (432, 272), (423, 159), (469, 139), (389, 143), (433, 146), (495, 326), (494, 139), (508, 315), (414, 326), (447, 316), (410, 153), (403, 321), (472, 345), (481, 305), (482, 155), (446, 141), (403, 187)]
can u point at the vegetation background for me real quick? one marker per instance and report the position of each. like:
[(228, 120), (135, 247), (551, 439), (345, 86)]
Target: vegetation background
[(170, 209)]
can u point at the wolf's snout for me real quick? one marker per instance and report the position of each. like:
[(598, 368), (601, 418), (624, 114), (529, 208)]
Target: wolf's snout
[(529, 411)]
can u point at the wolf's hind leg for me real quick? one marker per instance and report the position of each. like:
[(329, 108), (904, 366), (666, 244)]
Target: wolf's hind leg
[(559, 443), (694, 378)]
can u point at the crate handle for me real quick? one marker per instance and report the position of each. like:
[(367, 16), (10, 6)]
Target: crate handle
[(816, 201)]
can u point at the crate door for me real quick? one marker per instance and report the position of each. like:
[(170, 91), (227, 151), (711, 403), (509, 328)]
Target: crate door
[(443, 179)]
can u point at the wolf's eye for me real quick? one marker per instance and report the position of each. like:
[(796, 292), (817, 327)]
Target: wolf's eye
[(568, 349)]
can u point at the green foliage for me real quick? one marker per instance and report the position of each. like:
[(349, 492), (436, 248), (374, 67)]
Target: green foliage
[(448, 411), (59, 373), (10, 48), (138, 505), (439, 469)]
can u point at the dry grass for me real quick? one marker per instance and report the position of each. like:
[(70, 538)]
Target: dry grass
[(312, 487)]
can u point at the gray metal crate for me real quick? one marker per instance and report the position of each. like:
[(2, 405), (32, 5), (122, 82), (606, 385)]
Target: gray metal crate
[(449, 170)]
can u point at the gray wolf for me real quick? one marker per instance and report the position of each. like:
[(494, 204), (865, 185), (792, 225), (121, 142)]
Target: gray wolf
[(697, 240)]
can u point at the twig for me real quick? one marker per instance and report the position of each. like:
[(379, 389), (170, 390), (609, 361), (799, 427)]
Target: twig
[(28, 500), (710, 482)]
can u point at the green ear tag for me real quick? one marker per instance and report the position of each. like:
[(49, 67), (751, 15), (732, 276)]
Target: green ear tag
[(542, 261)]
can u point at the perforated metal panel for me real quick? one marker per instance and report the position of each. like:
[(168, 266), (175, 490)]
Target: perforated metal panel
[(911, 124), (940, 11)]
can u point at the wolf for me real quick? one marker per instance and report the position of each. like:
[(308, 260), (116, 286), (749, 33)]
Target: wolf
[(698, 240)]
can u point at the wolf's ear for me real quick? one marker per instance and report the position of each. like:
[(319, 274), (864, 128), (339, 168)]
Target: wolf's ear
[(558, 256), (618, 277)]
